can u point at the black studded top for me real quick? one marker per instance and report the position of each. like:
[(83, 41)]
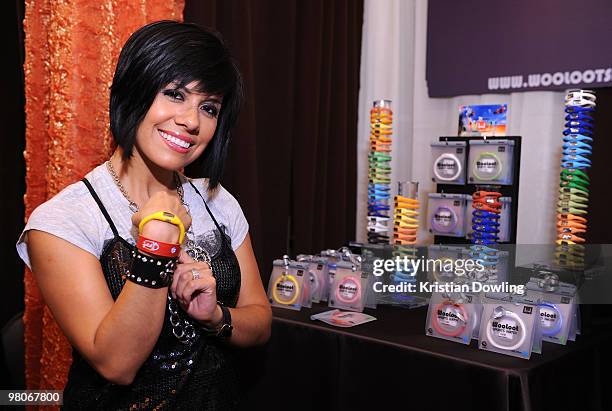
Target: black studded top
[(195, 374)]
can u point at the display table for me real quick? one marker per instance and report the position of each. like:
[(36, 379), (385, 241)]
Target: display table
[(391, 364)]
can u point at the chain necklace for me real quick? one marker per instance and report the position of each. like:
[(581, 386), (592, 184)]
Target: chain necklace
[(182, 326)]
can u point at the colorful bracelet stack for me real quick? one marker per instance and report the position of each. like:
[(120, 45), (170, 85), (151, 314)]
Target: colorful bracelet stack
[(485, 226), (379, 172), (574, 185), (153, 262)]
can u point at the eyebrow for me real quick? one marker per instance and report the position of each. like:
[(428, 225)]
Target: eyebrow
[(212, 99)]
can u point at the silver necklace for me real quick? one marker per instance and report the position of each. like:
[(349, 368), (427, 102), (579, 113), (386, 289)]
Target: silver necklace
[(182, 326)]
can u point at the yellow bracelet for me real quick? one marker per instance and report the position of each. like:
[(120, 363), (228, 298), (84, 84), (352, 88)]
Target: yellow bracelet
[(166, 217)]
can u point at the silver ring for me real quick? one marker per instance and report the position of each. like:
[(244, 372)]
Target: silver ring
[(195, 273)]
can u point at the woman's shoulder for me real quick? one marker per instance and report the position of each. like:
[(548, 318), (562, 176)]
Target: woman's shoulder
[(220, 197)]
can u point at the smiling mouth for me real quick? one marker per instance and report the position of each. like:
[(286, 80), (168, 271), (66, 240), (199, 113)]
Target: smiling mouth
[(175, 140)]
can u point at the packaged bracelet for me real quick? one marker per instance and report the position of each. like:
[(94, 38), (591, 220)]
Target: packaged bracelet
[(446, 214), (557, 309), (490, 162), (508, 327), (347, 291), (451, 317), (285, 288), (448, 159), (320, 279)]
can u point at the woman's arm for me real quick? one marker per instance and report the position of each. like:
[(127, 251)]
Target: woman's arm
[(252, 317), (114, 337)]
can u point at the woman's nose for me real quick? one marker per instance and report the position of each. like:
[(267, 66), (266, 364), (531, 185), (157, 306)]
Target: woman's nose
[(188, 118)]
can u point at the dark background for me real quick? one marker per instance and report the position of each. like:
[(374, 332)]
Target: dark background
[(469, 41)]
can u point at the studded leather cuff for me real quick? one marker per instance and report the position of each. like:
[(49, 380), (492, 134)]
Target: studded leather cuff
[(151, 271)]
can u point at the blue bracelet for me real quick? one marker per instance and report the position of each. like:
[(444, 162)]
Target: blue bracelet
[(577, 144), (572, 151), (383, 187), (575, 123), (575, 164), (578, 130), (575, 157), (579, 109), (378, 208), (579, 117), (569, 138), (485, 214)]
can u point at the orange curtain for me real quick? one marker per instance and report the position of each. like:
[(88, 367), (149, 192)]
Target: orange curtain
[(71, 50)]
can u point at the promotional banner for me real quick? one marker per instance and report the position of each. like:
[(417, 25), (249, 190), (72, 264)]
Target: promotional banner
[(480, 46)]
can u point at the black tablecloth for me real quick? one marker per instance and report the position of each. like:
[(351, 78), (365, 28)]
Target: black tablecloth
[(391, 364)]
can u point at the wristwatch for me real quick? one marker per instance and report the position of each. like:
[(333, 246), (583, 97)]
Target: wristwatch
[(225, 330)]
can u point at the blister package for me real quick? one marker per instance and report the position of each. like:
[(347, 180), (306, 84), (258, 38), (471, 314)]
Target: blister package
[(491, 162), (452, 317), (347, 291), (448, 159), (286, 285), (446, 214), (317, 266), (557, 309), (508, 327)]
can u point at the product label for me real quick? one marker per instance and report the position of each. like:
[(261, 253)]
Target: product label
[(506, 329), (549, 317), (487, 166), (348, 289), (443, 218), (447, 167), (285, 289), (448, 317)]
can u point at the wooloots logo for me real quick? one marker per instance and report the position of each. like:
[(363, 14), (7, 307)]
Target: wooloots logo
[(287, 287), (507, 327), (486, 164), (348, 288), (446, 314), (548, 316), (150, 245)]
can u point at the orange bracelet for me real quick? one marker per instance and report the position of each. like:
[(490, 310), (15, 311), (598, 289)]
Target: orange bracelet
[(572, 217), (571, 238)]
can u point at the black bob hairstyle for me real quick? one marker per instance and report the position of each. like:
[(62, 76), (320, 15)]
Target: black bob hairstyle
[(164, 52)]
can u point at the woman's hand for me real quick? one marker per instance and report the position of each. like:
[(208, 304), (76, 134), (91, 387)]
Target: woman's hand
[(197, 296), (159, 230)]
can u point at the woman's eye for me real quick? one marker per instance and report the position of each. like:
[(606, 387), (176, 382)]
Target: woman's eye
[(174, 94), (210, 110)]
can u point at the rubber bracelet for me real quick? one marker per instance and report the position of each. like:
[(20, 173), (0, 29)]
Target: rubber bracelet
[(494, 340), (578, 130), (571, 237), (572, 217), (573, 123), (558, 323), (574, 173), (577, 144), (158, 248), (575, 157), (573, 184), (571, 210), (575, 137), (573, 151), (166, 217), (296, 289), (575, 164), (569, 204), (441, 329)]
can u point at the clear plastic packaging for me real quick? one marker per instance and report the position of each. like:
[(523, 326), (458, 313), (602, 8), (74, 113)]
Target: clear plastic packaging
[(451, 317), (446, 214), (491, 162), (320, 279), (347, 290), (508, 327), (286, 285), (448, 159)]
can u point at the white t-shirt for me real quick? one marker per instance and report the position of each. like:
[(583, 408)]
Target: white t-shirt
[(74, 216)]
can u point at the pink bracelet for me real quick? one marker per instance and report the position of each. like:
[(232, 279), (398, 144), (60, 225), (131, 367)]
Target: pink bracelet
[(349, 282), (435, 322)]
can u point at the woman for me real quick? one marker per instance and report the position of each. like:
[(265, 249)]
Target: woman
[(152, 276)]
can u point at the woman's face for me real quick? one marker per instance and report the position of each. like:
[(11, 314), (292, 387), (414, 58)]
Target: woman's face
[(178, 126)]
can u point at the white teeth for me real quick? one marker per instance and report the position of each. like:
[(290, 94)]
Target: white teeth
[(175, 140)]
